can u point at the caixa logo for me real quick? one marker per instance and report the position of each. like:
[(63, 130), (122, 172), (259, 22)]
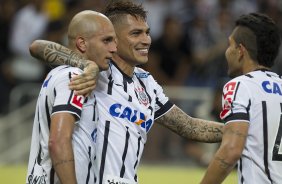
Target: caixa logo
[(134, 116)]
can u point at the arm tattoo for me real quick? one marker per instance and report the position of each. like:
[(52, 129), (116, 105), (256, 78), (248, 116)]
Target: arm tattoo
[(62, 162), (56, 54), (191, 128), (222, 163)]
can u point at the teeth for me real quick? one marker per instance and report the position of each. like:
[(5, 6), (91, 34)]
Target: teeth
[(143, 50)]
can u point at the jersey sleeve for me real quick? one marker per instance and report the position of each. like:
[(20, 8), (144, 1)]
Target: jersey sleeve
[(236, 100), (65, 99), (163, 105)]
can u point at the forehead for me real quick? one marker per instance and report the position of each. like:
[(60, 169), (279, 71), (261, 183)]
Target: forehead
[(105, 28), (130, 22)]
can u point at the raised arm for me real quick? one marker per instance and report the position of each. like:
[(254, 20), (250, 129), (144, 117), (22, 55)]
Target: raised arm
[(192, 128), (55, 54)]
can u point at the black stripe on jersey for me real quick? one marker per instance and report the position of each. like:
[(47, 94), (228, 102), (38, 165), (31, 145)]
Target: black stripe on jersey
[(129, 98), (236, 90), (71, 94), (126, 80), (122, 171), (249, 75), (138, 150), (157, 100), (275, 155), (124, 84), (52, 176), (89, 165), (47, 112), (70, 75), (94, 111), (69, 108), (164, 108), (110, 85), (104, 151), (241, 170), (238, 116), (55, 92), (265, 139)]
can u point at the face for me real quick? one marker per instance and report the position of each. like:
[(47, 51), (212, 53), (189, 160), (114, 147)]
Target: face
[(101, 46), (133, 40), (233, 57)]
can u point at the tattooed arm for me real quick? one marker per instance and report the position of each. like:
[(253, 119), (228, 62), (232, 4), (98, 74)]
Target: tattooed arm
[(192, 128), (231, 148), (56, 54)]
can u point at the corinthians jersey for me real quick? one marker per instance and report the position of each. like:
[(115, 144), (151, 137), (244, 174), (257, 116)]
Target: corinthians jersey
[(256, 98), (127, 110), (55, 97)]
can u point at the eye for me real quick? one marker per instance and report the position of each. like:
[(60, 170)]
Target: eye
[(136, 33), (108, 40)]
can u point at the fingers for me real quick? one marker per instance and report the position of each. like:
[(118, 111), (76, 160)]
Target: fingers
[(85, 91), (77, 85)]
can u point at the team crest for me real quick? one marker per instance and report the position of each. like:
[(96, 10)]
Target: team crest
[(142, 96)]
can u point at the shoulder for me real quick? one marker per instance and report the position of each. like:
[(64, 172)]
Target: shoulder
[(62, 73), (65, 70)]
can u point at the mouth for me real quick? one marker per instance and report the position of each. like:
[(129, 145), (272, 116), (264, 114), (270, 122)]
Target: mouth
[(143, 51)]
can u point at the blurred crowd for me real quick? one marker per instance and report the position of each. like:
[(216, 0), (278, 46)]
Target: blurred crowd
[(189, 39)]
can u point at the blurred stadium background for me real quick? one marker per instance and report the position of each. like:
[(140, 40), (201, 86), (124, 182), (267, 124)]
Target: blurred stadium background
[(186, 57)]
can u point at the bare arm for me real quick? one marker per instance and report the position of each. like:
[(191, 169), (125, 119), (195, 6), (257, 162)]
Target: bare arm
[(192, 128), (233, 142), (56, 54), (60, 147)]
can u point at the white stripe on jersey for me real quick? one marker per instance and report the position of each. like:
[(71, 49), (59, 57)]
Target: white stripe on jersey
[(127, 108), (257, 99), (56, 97)]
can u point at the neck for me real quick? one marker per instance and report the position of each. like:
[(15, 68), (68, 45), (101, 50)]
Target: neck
[(123, 65), (254, 66)]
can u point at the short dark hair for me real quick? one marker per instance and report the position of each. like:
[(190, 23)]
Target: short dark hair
[(117, 8), (261, 37)]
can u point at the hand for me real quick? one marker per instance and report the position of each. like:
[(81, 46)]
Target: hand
[(85, 83)]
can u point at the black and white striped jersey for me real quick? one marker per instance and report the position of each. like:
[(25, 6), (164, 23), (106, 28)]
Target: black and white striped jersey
[(256, 98), (55, 97), (127, 109)]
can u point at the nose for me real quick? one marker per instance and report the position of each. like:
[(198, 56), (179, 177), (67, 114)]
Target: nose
[(146, 39), (113, 47)]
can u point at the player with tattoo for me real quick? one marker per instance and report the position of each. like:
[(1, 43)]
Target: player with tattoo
[(64, 130), (129, 100), (252, 106)]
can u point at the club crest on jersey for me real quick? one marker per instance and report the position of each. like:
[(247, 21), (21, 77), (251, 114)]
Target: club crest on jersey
[(77, 101), (142, 96), (229, 92)]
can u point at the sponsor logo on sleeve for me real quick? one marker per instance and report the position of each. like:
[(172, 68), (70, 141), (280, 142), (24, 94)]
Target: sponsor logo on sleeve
[(228, 97), (77, 101)]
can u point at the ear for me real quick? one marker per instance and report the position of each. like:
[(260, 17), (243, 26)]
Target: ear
[(242, 51), (81, 44)]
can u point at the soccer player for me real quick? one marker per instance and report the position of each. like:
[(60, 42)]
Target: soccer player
[(129, 100), (252, 106), (62, 148)]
